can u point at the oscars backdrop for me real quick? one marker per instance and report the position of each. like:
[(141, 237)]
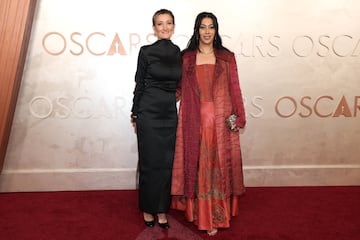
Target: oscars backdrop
[(299, 72)]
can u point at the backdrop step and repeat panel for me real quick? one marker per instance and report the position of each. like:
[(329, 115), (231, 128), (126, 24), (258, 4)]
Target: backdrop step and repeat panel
[(299, 72)]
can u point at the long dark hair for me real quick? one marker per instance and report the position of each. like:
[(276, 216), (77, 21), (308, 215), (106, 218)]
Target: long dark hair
[(193, 43)]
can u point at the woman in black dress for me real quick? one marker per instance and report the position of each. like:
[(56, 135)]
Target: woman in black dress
[(154, 115)]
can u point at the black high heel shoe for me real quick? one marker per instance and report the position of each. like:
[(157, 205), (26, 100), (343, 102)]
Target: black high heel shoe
[(149, 223), (164, 225), (163, 217)]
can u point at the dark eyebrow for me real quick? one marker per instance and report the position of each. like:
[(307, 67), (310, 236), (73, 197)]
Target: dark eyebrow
[(207, 25)]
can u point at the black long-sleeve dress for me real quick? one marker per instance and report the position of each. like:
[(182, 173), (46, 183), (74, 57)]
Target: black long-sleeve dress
[(154, 104)]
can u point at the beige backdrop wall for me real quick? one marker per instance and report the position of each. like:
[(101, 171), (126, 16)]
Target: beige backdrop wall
[(299, 72)]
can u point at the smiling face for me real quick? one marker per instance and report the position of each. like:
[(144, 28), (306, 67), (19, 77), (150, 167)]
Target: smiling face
[(163, 26), (207, 31)]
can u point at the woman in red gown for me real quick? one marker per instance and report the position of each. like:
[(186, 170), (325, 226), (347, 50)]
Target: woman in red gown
[(207, 172)]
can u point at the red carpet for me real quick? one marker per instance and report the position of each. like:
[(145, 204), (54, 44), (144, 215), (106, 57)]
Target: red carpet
[(266, 213)]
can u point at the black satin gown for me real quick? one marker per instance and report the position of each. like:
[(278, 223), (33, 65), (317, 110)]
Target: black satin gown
[(154, 104)]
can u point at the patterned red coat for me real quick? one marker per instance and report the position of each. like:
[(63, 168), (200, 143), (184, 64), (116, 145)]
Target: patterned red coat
[(227, 100)]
